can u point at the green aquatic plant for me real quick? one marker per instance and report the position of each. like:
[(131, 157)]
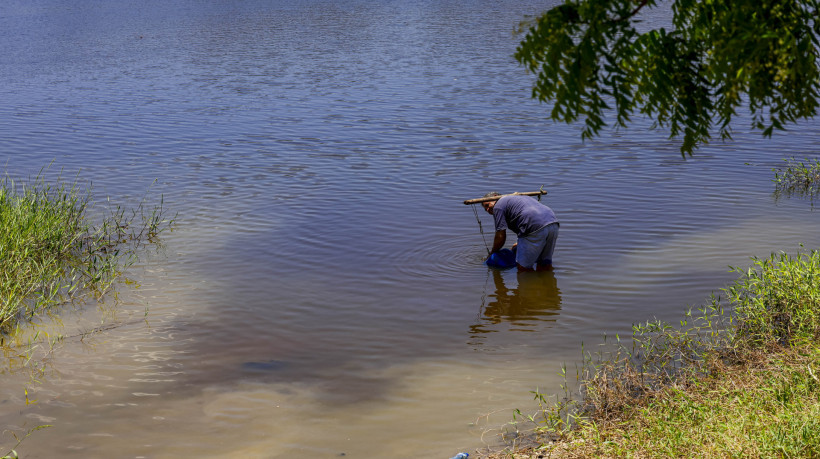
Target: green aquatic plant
[(12, 453), (797, 178), (56, 247)]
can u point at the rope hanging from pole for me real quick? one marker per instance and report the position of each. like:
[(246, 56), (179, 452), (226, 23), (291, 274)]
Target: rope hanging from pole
[(481, 229)]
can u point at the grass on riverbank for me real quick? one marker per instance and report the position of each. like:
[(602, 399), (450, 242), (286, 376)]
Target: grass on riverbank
[(53, 250), (734, 381)]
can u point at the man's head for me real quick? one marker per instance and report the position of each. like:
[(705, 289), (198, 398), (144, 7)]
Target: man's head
[(488, 205)]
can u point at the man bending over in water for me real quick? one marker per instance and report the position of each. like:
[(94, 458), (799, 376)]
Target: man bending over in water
[(533, 222)]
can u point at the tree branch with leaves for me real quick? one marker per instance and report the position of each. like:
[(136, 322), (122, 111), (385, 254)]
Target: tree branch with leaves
[(718, 57)]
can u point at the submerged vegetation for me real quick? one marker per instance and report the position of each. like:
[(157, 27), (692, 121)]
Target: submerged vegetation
[(737, 377), (55, 247)]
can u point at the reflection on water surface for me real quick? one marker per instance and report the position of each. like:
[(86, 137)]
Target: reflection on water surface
[(535, 299)]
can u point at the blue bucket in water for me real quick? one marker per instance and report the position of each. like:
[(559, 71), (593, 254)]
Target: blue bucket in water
[(503, 259)]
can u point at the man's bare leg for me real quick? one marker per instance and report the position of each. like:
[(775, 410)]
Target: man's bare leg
[(524, 269), (543, 266)]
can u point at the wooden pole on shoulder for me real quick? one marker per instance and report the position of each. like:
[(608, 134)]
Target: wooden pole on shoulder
[(496, 198)]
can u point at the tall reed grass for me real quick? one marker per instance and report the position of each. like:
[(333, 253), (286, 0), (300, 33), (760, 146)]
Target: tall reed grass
[(56, 247)]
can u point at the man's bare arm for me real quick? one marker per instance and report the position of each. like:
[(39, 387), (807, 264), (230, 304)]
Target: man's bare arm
[(498, 241)]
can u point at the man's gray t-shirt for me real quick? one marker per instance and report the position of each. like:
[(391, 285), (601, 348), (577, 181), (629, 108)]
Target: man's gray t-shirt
[(522, 214)]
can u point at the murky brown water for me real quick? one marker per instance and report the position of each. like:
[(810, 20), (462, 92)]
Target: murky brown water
[(323, 292)]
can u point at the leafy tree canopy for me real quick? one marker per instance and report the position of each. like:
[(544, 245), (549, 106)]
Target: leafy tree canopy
[(719, 56)]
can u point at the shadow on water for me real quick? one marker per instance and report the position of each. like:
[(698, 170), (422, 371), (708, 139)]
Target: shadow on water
[(534, 300), (263, 322)]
